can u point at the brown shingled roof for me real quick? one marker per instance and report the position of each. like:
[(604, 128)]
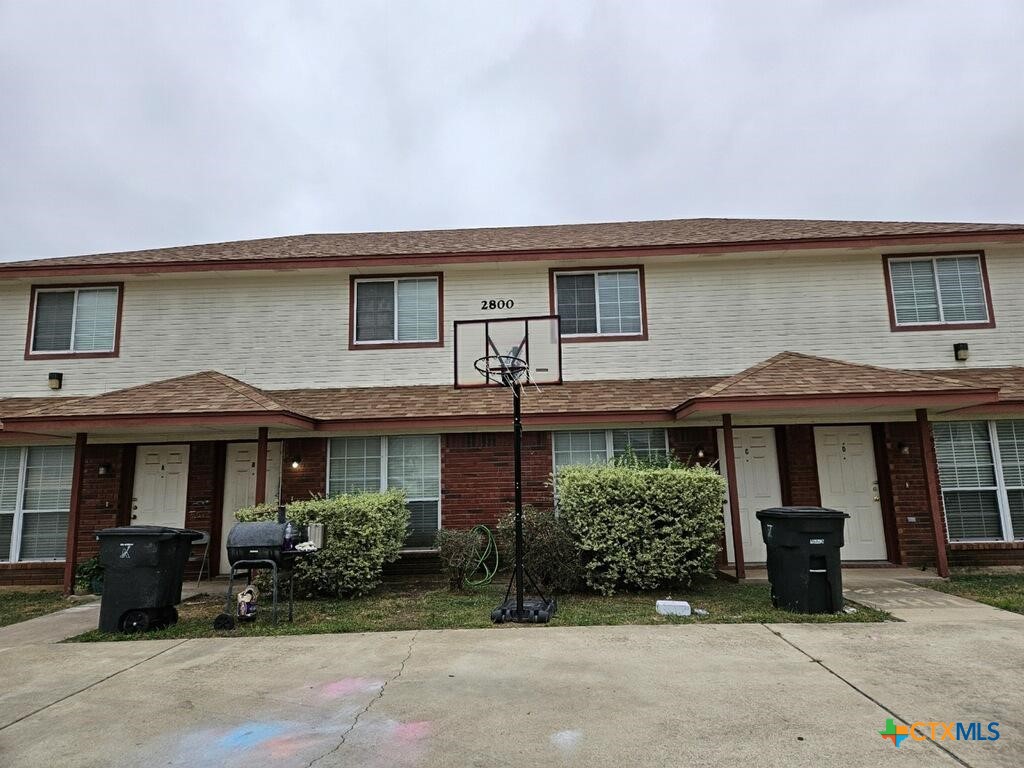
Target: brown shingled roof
[(1009, 381), (196, 393), (790, 374), (563, 237), (576, 397)]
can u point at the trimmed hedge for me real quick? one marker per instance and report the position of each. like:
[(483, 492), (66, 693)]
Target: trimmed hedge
[(641, 527), (363, 532)]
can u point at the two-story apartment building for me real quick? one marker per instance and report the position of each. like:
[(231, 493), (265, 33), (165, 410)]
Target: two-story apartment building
[(869, 366)]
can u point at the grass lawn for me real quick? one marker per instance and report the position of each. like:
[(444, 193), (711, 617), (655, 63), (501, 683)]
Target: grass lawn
[(18, 606), (424, 606), (1004, 591)]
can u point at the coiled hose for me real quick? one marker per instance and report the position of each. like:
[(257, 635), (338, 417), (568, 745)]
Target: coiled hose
[(486, 562)]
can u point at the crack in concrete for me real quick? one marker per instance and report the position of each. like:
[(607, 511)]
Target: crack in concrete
[(364, 710), (865, 694), (92, 685)]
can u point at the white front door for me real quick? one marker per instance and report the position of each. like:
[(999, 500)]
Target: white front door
[(240, 485), (848, 479), (161, 484), (757, 480)]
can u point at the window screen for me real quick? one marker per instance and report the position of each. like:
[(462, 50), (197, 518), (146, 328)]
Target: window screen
[(55, 312), (375, 311), (577, 304)]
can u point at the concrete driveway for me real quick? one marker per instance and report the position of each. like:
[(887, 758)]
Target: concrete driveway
[(712, 695)]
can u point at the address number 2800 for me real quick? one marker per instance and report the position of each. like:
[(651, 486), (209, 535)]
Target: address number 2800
[(497, 303)]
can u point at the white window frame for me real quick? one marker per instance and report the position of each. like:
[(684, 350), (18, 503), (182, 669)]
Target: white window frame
[(609, 443), (18, 515), (1002, 498), (384, 475), (938, 291), (394, 323), (597, 301), (32, 351)]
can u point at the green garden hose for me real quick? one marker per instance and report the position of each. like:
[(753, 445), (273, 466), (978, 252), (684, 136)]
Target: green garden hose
[(486, 562)]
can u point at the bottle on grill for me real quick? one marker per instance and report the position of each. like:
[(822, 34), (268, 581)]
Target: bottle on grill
[(289, 537)]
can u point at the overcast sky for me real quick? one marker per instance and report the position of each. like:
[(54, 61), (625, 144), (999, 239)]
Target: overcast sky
[(133, 124)]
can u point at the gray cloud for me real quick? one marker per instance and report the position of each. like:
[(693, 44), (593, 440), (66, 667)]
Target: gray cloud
[(127, 125)]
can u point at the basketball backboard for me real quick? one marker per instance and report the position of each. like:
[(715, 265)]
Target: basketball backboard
[(536, 340)]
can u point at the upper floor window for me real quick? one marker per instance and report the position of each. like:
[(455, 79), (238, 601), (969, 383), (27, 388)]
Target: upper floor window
[(930, 291), (75, 321), (396, 310), (981, 470), (600, 303)]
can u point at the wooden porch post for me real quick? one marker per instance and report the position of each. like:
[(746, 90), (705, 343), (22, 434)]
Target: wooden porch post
[(261, 467), (734, 496), (931, 484), (71, 549)]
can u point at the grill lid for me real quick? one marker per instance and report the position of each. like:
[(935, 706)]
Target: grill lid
[(256, 535)]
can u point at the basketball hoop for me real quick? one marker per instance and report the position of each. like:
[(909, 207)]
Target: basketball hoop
[(507, 370)]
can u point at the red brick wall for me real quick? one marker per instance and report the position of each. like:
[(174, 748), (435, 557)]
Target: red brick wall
[(476, 476), (100, 501), (916, 540), (31, 574), (798, 465), (310, 479), (685, 442)]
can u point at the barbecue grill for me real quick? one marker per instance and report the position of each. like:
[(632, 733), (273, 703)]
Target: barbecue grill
[(260, 546)]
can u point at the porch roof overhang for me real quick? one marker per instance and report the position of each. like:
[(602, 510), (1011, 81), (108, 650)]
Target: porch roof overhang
[(799, 384), (787, 386)]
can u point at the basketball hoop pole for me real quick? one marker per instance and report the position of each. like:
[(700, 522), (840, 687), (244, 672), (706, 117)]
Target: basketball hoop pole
[(517, 461)]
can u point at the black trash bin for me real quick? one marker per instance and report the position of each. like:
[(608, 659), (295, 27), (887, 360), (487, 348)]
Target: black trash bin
[(804, 565), (143, 567)]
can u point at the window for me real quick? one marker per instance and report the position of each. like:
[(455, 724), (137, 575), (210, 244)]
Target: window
[(35, 498), (599, 303), (602, 445), (396, 310), (981, 469), (73, 321), (409, 462), (938, 290)]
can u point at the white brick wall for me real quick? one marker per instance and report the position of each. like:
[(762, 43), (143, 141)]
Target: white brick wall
[(709, 315)]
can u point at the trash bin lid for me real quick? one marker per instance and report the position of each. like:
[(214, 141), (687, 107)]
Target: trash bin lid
[(161, 531), (801, 512)]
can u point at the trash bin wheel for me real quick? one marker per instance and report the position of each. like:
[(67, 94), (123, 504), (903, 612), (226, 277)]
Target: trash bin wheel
[(164, 617), (170, 616), (224, 621), (136, 621)]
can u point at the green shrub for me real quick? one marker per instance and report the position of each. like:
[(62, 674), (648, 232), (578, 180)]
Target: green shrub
[(550, 554), (639, 527), (363, 532), (459, 551)]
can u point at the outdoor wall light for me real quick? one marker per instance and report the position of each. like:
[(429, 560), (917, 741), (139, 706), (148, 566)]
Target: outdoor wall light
[(296, 462), (903, 448), (961, 352), (104, 469), (55, 380), (700, 451)]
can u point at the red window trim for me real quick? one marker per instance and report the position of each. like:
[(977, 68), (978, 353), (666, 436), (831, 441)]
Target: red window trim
[(30, 331), (895, 327), (353, 279), (605, 337)]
